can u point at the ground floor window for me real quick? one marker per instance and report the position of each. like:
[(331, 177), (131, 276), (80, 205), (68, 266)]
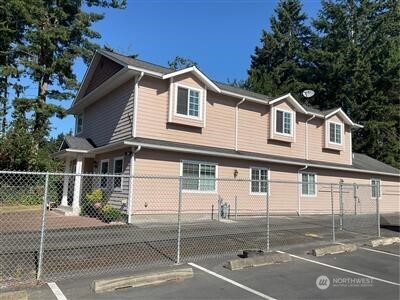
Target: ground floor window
[(104, 170), (118, 166), (308, 184), (198, 176), (375, 188), (259, 180)]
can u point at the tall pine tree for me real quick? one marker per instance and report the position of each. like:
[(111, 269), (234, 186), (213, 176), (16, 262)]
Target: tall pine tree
[(356, 61), (279, 65)]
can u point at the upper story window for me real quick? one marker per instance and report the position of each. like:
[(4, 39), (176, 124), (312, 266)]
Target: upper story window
[(198, 176), (79, 123), (259, 180), (335, 133), (118, 166), (283, 122), (188, 102), (375, 188), (308, 181)]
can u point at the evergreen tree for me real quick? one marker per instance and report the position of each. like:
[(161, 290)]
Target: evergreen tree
[(356, 61), (279, 65), (179, 63)]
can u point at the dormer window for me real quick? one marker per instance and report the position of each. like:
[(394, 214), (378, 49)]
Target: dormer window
[(283, 122), (79, 123), (188, 102), (335, 133)]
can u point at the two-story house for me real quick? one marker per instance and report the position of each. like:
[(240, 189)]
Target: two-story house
[(137, 118)]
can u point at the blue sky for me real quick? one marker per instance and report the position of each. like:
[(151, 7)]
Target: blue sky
[(219, 35)]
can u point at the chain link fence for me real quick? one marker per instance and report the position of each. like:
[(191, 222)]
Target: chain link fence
[(55, 225)]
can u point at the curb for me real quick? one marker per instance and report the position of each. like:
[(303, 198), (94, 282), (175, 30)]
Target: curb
[(259, 260), (383, 241), (107, 285), (334, 249), (16, 295)]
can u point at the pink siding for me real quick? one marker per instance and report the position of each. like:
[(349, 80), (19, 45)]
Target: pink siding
[(219, 125), (161, 195)]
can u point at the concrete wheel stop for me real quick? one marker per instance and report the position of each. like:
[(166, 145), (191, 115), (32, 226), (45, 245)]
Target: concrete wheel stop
[(334, 249), (255, 258)]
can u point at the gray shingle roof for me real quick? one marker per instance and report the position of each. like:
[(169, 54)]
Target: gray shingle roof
[(360, 161), (76, 143)]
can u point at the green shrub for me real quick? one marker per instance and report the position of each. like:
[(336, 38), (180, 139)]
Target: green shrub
[(96, 196), (110, 214)]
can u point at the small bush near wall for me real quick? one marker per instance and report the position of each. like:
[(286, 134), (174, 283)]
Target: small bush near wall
[(110, 214), (95, 206)]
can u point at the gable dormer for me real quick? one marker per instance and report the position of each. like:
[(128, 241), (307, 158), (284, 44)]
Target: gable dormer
[(283, 118), (336, 125), (188, 97)]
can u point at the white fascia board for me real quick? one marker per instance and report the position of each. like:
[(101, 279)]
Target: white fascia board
[(246, 157), (241, 96), (343, 115), (198, 73), (76, 150), (145, 71), (292, 100)]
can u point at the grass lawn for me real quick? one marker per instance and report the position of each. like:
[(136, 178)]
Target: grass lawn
[(18, 208)]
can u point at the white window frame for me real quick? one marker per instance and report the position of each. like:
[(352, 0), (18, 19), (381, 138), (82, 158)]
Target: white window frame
[(80, 115), (315, 184), (200, 102), (379, 187), (120, 188), (100, 172), (283, 119), (268, 181), (341, 132), (204, 163)]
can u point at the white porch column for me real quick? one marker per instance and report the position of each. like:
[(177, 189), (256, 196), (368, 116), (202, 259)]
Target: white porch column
[(77, 185), (131, 179), (67, 169)]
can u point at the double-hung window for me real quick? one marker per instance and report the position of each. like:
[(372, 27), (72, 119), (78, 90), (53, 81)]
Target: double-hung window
[(335, 133), (308, 184), (198, 176), (283, 122), (79, 123), (104, 170), (188, 102), (259, 180), (375, 188), (118, 166)]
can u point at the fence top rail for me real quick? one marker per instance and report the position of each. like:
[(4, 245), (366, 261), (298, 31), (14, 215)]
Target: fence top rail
[(94, 175)]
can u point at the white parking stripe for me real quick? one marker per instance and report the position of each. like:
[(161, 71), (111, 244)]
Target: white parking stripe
[(232, 282), (341, 269), (374, 250), (56, 291)]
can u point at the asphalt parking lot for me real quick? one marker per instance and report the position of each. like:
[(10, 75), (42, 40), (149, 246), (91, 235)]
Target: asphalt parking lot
[(368, 273)]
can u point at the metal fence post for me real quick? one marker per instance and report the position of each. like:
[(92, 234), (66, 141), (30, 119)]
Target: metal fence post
[(235, 207), (333, 216), (341, 204), (219, 208), (42, 229), (178, 253), (378, 217), (267, 207)]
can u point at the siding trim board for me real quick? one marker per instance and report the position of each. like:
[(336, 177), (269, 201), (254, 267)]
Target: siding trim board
[(249, 157)]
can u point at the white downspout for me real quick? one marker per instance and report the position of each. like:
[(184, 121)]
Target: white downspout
[(237, 122), (131, 174), (135, 104), (306, 137)]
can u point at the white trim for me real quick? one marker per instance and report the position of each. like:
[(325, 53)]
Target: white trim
[(199, 162), (341, 133), (315, 185), (236, 95), (198, 73), (350, 148), (107, 160), (379, 187), (201, 102), (249, 157), (292, 121), (292, 100), (84, 83), (136, 103), (77, 123), (121, 187), (170, 99), (205, 106), (251, 181)]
